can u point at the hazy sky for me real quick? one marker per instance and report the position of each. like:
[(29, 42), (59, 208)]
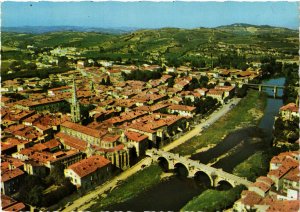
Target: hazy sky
[(149, 14)]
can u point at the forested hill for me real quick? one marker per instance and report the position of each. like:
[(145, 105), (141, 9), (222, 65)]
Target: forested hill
[(168, 43)]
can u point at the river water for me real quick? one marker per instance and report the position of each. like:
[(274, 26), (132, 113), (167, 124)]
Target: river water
[(173, 193)]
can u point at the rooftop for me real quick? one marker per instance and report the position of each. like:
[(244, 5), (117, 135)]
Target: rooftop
[(135, 136), (89, 165), (82, 129)]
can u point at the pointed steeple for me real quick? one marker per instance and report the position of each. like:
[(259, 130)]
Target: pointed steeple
[(75, 107), (74, 94), (92, 86)]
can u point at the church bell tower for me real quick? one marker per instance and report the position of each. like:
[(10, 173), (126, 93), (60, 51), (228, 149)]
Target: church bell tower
[(75, 107)]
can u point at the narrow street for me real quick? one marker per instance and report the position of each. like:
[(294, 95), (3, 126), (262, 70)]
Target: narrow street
[(87, 200)]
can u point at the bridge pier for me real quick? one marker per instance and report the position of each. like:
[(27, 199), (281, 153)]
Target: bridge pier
[(275, 91), (259, 88)]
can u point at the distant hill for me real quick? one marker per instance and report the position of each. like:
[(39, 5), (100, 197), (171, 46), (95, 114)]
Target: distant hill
[(165, 43), (46, 29)]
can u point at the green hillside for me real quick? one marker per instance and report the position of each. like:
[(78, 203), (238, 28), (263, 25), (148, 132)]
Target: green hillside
[(168, 44)]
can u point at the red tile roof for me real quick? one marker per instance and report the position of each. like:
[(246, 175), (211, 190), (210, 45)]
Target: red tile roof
[(265, 180), (224, 88), (115, 149), (280, 172), (251, 198), (8, 160), (291, 107), (6, 201), (293, 175), (72, 141), (89, 165), (82, 129), (284, 205), (215, 92), (10, 174), (52, 143), (16, 207), (182, 108), (111, 138), (9, 204), (60, 88), (263, 186), (135, 136)]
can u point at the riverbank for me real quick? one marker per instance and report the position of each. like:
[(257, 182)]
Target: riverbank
[(254, 166), (247, 113), (214, 200)]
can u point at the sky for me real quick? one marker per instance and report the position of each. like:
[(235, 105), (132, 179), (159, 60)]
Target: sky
[(148, 14)]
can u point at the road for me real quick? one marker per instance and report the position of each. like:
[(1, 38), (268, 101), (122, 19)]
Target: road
[(87, 200)]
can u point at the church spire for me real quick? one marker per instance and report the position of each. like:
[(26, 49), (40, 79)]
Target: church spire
[(75, 107), (74, 94)]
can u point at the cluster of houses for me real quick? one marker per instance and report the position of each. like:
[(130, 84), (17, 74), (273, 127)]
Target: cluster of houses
[(127, 118), (278, 191)]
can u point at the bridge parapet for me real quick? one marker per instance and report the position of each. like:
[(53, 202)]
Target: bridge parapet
[(215, 175)]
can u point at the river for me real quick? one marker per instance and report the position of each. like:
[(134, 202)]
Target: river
[(173, 193)]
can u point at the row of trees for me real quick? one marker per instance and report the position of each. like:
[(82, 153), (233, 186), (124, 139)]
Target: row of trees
[(142, 75), (290, 71), (19, 65), (202, 105), (232, 60), (42, 73), (194, 83), (106, 81)]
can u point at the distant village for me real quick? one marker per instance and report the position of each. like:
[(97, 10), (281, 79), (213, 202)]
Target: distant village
[(97, 124)]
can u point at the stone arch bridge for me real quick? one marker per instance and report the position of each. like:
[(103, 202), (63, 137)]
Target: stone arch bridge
[(193, 167)]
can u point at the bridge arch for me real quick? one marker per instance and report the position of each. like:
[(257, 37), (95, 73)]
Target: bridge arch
[(164, 163), (181, 169), (203, 178), (222, 182)]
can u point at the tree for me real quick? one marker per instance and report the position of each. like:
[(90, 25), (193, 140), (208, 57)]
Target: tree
[(62, 61), (17, 66), (54, 196), (31, 190), (171, 82), (194, 83), (227, 83), (203, 81), (103, 81), (31, 66), (35, 196), (57, 174), (108, 82), (241, 92)]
